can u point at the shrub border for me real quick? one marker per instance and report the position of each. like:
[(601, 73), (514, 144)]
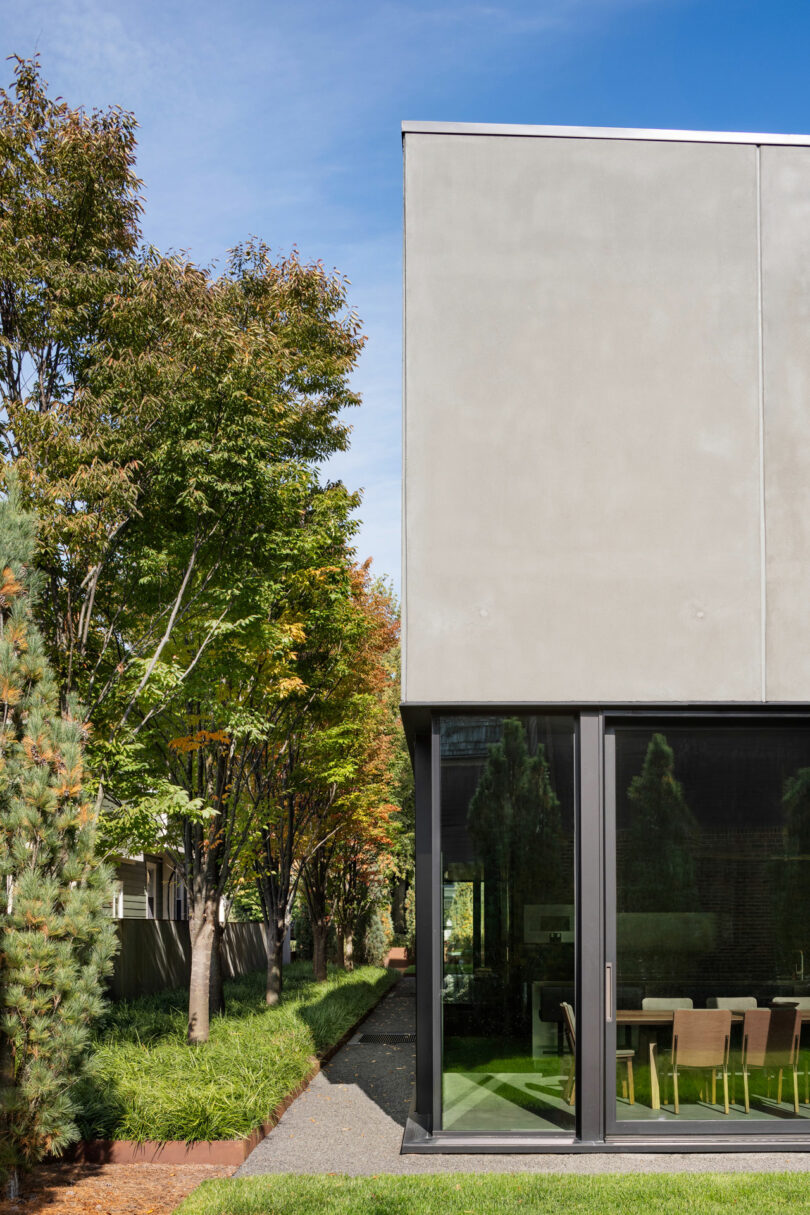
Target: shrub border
[(209, 1151)]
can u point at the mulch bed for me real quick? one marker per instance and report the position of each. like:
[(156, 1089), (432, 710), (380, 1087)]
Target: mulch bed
[(109, 1189)]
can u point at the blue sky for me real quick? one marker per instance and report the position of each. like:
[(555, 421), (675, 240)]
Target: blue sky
[(283, 120)]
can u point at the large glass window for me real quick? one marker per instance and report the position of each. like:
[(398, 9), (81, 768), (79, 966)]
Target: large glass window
[(713, 920), (508, 910)]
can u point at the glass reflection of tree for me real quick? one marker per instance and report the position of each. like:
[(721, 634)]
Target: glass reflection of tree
[(515, 826), (660, 848), (791, 882), (460, 916), (657, 871)]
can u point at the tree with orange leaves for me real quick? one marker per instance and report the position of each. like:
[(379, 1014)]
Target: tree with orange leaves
[(321, 774), (346, 872)]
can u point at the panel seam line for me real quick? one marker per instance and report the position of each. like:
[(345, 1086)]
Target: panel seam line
[(763, 585)]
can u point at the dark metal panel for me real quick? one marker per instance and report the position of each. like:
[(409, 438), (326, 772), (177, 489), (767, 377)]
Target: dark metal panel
[(437, 935), (609, 799), (416, 1140), (424, 926), (590, 953)]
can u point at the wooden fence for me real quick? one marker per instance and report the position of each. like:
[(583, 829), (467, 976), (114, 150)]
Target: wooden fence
[(156, 954)]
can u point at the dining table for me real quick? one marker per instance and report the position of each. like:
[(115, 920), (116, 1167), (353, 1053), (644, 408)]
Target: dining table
[(664, 1016)]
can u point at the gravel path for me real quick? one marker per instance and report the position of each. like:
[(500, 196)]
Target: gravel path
[(351, 1117)]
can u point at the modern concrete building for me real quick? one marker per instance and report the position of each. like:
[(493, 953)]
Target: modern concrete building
[(606, 637)]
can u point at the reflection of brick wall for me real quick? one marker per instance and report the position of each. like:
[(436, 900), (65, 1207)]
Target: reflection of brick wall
[(738, 876)]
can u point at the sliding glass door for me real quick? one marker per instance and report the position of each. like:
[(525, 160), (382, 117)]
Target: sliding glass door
[(622, 926), (508, 800), (708, 926)]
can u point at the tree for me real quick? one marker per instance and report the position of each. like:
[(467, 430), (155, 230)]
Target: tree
[(57, 936), (167, 423), (658, 869), (358, 878), (316, 788), (515, 825), (460, 915), (68, 227), (514, 821), (206, 757), (789, 872), (343, 874)]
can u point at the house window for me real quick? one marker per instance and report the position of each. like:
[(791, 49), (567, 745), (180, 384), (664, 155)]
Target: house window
[(176, 898), (151, 890)]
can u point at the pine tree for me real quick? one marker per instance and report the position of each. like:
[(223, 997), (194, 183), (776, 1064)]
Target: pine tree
[(515, 826), (57, 936), (659, 870), (515, 823), (790, 873)]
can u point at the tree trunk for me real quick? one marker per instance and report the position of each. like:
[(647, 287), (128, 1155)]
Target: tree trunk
[(216, 994), (276, 930), (341, 949), (12, 1185), (398, 906), (202, 939), (319, 931), (348, 950)]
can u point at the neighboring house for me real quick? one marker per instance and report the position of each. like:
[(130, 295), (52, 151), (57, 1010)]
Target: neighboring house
[(606, 637), (150, 901), (147, 887)]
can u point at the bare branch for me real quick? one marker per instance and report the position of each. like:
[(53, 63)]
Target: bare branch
[(167, 633)]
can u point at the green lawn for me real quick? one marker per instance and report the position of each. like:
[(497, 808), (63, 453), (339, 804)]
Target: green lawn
[(146, 1083), (502, 1194)]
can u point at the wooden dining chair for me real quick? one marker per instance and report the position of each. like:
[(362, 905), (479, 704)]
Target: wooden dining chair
[(622, 1056), (756, 1024), (782, 1049), (700, 1040)]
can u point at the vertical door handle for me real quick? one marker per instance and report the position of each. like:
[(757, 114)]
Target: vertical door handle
[(608, 991)]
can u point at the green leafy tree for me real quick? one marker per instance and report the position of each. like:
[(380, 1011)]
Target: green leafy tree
[(57, 936), (194, 780), (460, 915), (68, 229), (166, 423)]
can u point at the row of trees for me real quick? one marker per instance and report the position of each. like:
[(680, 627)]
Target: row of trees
[(230, 667)]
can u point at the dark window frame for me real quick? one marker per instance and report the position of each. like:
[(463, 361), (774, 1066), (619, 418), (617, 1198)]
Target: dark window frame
[(595, 893)]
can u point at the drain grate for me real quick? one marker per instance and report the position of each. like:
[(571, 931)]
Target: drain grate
[(386, 1039)]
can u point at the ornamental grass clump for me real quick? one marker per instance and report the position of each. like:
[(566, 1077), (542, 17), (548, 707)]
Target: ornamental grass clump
[(56, 935), (144, 1083)]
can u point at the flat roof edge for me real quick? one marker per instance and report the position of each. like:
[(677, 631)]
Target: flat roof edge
[(638, 133)]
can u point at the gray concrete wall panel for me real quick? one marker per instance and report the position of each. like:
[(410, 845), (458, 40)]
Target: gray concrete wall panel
[(582, 475), (785, 179)]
